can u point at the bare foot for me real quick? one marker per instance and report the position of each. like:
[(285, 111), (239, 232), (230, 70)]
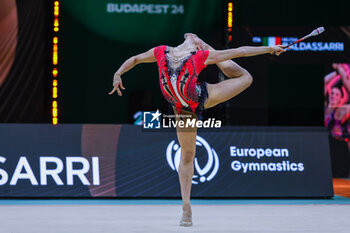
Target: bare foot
[(186, 219)]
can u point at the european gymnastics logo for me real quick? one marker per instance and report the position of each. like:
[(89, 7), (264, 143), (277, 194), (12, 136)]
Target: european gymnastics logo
[(207, 173)]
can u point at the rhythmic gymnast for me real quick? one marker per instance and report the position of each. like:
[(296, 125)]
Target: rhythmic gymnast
[(179, 68)]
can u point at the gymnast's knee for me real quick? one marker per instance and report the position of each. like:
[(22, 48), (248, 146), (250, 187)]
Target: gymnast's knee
[(187, 155), (247, 78)]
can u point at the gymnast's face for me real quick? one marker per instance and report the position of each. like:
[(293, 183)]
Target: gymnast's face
[(335, 96), (194, 40)]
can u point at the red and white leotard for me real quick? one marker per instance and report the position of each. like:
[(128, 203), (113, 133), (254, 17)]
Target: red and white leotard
[(178, 78)]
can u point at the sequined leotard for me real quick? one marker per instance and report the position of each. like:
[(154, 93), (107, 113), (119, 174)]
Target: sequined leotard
[(178, 79)]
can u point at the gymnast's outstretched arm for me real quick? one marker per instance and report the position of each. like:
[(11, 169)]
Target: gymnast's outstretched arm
[(146, 57), (217, 56)]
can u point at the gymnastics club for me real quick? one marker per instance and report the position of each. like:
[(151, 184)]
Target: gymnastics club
[(315, 32)]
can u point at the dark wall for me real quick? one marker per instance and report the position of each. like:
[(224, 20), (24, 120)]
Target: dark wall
[(292, 13), (24, 95)]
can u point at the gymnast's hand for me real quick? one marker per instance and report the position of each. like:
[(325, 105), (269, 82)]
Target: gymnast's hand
[(117, 83), (277, 49)]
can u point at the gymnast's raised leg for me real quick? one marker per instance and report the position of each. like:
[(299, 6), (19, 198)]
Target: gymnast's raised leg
[(239, 80)]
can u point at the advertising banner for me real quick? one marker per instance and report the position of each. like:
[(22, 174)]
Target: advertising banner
[(39, 160)]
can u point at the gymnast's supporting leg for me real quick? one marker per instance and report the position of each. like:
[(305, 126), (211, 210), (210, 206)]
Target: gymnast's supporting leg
[(187, 140), (239, 80)]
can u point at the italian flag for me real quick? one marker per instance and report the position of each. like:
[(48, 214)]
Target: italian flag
[(272, 40)]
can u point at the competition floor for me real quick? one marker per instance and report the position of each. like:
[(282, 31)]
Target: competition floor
[(268, 216)]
